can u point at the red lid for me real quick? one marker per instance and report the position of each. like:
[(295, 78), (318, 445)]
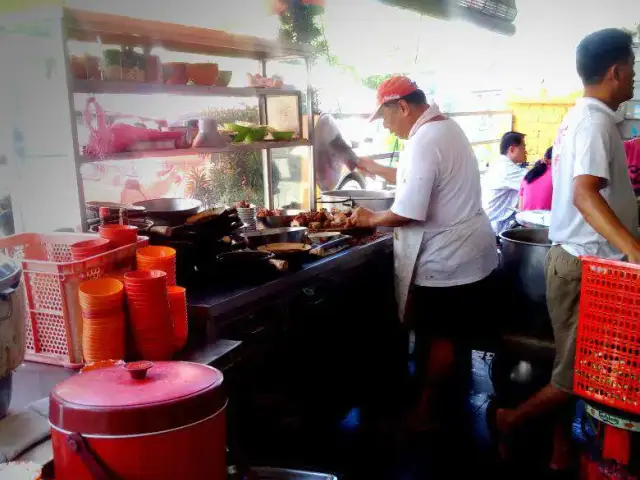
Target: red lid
[(138, 398)]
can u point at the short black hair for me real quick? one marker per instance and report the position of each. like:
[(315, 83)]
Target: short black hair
[(510, 139), (414, 98), (599, 51), (548, 153)]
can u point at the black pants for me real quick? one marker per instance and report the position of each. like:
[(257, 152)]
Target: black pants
[(459, 314)]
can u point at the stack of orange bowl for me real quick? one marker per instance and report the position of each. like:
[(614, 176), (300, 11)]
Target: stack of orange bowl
[(149, 315), (178, 308), (158, 258), (103, 321), (89, 248), (120, 235)]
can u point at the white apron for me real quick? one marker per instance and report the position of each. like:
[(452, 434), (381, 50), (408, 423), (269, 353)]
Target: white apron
[(407, 240)]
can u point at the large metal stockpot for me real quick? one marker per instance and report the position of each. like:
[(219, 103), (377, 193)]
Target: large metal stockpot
[(141, 421), (523, 258)]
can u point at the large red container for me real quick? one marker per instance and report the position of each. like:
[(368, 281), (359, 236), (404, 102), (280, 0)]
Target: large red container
[(162, 424)]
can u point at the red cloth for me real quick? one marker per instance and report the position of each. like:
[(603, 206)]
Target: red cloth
[(632, 147)]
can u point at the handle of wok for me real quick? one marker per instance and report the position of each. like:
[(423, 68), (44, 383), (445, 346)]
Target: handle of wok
[(347, 203)]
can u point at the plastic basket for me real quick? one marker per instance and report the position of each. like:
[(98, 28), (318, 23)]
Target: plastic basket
[(52, 311), (607, 367)]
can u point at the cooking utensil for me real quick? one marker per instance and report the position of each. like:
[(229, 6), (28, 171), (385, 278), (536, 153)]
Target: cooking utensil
[(248, 266), (376, 201), (332, 153), (171, 211), (328, 246), (163, 420), (278, 221), (318, 238), (294, 253), (274, 235), (523, 258)]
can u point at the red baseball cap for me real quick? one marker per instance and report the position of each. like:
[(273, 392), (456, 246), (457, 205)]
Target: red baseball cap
[(393, 88)]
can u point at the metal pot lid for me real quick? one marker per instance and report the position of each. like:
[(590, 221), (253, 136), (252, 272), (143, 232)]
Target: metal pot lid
[(361, 194), (539, 218), (10, 273), (136, 398)]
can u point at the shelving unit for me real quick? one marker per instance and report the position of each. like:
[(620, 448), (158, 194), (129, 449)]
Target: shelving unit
[(49, 162), (95, 87), (232, 148)]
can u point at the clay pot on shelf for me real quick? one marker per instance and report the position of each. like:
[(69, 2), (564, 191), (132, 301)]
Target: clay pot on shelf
[(85, 67), (175, 73), (153, 73), (203, 73)]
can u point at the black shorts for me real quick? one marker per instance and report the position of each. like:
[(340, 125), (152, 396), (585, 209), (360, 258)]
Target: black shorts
[(460, 313)]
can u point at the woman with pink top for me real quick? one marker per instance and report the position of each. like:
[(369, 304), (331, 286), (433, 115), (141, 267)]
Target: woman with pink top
[(536, 188)]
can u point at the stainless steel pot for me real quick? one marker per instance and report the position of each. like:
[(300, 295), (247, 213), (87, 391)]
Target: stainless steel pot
[(274, 235), (371, 199), (523, 258), (12, 327)]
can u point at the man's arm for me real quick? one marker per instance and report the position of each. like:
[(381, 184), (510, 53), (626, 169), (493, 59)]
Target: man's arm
[(370, 166), (597, 213), (367, 219)]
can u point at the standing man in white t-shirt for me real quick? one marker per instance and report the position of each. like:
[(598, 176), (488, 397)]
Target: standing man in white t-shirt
[(444, 246), (593, 212), (501, 183)]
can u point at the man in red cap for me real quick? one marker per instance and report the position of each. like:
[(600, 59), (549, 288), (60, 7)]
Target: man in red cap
[(444, 246)]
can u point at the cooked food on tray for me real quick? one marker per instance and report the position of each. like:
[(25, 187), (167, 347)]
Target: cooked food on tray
[(265, 212), (323, 219)]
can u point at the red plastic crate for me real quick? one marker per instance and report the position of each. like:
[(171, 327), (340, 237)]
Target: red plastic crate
[(51, 278), (607, 367)]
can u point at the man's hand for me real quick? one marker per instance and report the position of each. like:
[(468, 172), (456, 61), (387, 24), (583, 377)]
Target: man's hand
[(634, 258), (370, 167), (367, 166), (362, 218)]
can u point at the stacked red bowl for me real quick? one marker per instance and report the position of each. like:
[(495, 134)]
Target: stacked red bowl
[(158, 258), (178, 309), (149, 314), (89, 248), (103, 321), (120, 235)]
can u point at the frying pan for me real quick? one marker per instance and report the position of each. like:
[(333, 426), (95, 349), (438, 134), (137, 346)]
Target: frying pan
[(172, 211)]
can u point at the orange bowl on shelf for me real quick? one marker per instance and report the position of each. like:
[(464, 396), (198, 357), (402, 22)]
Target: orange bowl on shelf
[(204, 74)]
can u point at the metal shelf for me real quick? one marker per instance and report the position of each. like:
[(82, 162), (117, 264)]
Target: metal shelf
[(182, 152), (86, 26), (141, 88)]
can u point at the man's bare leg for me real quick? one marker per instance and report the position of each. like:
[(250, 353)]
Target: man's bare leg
[(545, 402)]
